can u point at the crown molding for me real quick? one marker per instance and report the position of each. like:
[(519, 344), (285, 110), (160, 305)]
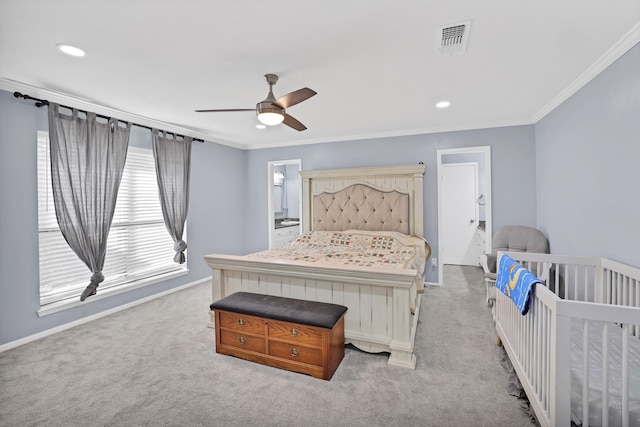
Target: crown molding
[(620, 48), (86, 105)]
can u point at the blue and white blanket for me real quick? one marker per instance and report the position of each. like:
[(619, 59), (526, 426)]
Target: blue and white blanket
[(516, 282)]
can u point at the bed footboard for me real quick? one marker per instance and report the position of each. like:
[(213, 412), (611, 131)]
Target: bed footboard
[(382, 305)]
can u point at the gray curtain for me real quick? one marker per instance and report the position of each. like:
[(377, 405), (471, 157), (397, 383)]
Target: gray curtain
[(173, 165), (87, 160)]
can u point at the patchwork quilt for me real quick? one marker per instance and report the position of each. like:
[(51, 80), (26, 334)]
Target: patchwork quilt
[(377, 249)]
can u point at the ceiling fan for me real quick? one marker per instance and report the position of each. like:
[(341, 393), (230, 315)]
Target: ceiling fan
[(272, 111)]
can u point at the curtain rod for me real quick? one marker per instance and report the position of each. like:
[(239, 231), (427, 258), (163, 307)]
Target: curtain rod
[(43, 102)]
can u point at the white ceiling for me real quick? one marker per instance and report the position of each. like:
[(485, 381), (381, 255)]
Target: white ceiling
[(374, 64)]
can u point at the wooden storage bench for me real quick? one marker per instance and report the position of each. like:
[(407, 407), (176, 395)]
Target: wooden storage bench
[(297, 335)]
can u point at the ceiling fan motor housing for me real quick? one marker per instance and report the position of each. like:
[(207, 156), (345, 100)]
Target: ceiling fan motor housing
[(268, 107)]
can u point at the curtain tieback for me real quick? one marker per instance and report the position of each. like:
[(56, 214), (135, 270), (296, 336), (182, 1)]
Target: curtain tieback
[(96, 279), (179, 247)]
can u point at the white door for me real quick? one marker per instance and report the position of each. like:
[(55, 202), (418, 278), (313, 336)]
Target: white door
[(459, 213)]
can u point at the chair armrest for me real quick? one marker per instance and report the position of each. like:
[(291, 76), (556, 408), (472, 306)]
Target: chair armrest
[(488, 262), (546, 272), (484, 263)]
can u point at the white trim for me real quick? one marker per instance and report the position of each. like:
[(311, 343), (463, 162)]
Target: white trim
[(486, 150), (69, 303), (63, 99), (43, 334), (620, 48), (396, 133)]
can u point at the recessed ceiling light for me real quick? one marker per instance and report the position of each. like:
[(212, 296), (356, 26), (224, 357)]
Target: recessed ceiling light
[(443, 104), (260, 126), (70, 50)]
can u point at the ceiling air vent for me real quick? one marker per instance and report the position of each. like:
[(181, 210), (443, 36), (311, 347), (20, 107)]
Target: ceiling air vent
[(453, 38)]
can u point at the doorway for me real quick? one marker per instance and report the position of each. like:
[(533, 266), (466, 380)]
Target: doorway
[(459, 213), (465, 233), (284, 194)]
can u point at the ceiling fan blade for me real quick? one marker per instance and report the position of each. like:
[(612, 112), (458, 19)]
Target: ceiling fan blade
[(293, 123), (294, 97), (226, 110)]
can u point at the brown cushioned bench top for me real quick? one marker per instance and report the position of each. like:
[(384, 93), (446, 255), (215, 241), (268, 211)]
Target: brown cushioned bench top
[(312, 313)]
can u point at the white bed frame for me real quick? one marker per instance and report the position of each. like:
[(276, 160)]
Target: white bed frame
[(538, 344), (383, 308)]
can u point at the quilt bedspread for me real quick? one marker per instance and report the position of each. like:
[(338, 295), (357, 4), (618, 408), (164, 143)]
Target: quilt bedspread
[(378, 249)]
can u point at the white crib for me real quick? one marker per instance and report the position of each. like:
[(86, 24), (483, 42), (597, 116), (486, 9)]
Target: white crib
[(591, 303)]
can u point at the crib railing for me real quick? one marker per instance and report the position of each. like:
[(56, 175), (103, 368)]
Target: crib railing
[(583, 289)]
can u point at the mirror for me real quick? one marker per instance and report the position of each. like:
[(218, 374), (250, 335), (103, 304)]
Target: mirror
[(284, 200), (279, 190)]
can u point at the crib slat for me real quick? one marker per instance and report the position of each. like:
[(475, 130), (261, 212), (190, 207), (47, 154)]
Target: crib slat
[(625, 375), (545, 360), (568, 285), (585, 374), (605, 375), (586, 284), (636, 332)]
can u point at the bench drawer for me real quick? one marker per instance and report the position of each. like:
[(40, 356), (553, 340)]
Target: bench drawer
[(242, 323), (242, 341), (295, 333), (289, 351)]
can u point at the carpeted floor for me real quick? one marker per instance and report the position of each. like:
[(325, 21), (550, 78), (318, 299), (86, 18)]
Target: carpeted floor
[(155, 364)]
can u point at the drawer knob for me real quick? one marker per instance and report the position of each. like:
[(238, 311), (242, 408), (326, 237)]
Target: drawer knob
[(294, 352), (242, 340), (294, 332), (241, 322)]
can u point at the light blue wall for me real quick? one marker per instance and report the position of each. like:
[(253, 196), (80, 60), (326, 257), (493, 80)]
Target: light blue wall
[(513, 187), (588, 166), (214, 222)]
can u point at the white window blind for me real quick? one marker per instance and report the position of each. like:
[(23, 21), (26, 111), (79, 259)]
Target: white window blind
[(139, 246)]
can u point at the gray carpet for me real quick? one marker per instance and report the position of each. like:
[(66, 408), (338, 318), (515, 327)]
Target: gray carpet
[(155, 364)]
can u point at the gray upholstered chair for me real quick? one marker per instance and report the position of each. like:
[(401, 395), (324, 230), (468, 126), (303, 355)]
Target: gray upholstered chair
[(513, 238)]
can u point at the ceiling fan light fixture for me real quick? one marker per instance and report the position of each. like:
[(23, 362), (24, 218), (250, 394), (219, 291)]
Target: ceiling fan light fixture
[(270, 119), (269, 114)]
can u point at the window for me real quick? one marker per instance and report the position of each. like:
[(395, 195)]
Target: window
[(139, 246)]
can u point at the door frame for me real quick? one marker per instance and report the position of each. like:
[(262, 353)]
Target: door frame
[(270, 213), (486, 151)]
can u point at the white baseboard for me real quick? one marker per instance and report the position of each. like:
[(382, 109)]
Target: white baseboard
[(39, 335), (432, 284)]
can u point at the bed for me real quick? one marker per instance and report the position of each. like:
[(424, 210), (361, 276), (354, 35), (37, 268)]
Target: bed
[(380, 206), (583, 303)]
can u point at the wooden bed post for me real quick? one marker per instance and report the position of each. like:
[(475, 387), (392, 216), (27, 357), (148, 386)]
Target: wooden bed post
[(306, 204), (216, 292), (417, 227), (403, 329)]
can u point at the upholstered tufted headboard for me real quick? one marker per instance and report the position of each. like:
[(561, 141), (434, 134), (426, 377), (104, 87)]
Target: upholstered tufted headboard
[(362, 208), (377, 199)]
